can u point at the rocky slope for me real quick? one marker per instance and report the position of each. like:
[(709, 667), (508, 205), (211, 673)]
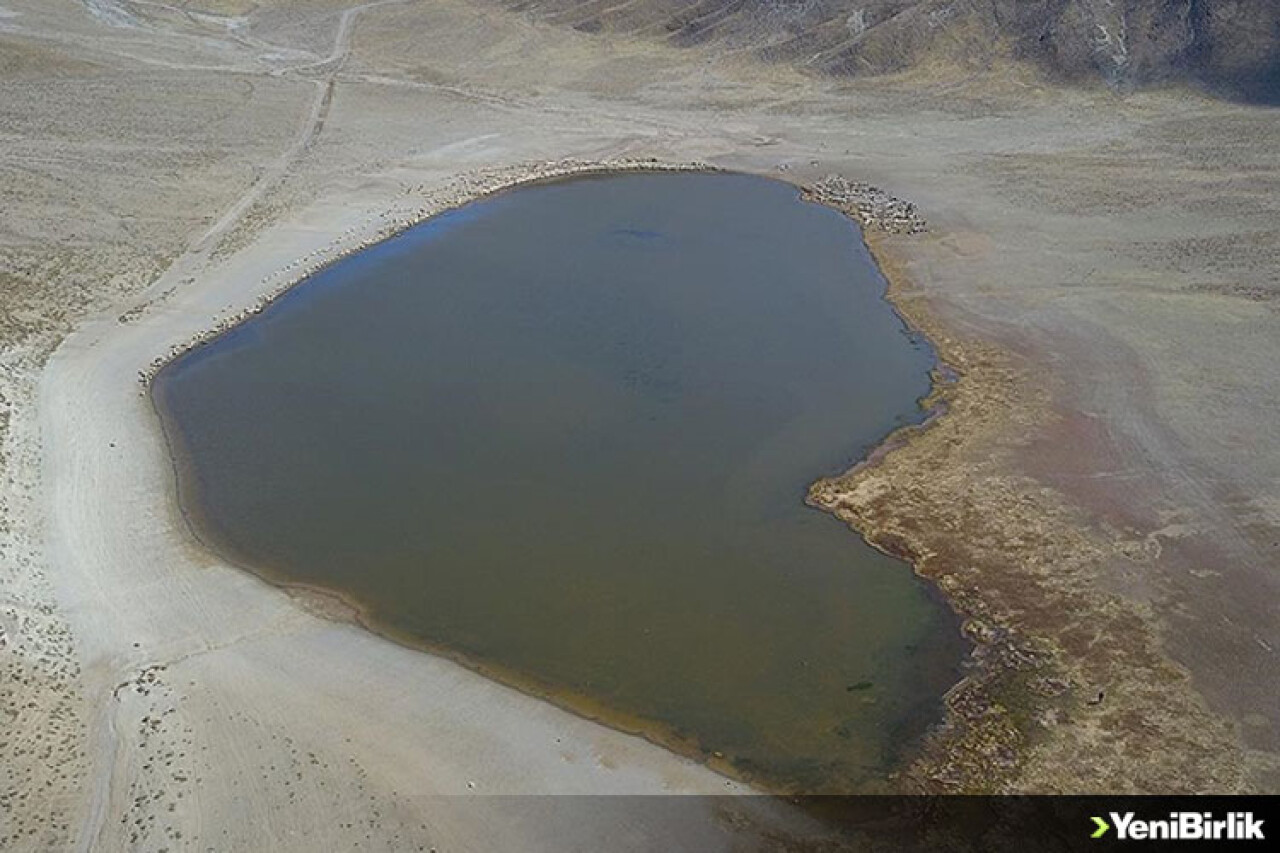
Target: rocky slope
[(1230, 45)]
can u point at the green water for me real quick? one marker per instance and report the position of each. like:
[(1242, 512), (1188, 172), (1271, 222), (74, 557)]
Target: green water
[(565, 433)]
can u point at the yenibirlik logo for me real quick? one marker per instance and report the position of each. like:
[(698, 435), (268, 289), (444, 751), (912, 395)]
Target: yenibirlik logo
[(1182, 826)]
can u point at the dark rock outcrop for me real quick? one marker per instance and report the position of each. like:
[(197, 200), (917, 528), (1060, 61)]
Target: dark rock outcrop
[(1230, 45)]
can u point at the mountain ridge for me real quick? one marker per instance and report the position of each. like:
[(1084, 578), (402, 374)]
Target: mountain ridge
[(1230, 46)]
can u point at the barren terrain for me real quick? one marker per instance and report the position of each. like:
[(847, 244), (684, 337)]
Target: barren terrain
[(1100, 497)]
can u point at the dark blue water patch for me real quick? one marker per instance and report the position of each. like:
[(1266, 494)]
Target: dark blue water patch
[(638, 233), (565, 434)]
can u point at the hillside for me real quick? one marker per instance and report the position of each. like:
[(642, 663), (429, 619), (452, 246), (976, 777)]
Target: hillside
[(1232, 46)]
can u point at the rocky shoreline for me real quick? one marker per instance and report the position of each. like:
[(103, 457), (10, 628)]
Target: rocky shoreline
[(870, 207)]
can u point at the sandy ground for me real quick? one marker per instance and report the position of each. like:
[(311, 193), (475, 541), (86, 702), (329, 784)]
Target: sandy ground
[(1101, 499)]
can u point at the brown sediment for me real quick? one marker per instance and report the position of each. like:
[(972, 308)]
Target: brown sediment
[(1068, 688)]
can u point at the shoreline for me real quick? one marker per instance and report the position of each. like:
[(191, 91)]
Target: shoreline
[(1026, 675), (944, 744), (462, 190), (212, 673), (970, 751), (886, 213)]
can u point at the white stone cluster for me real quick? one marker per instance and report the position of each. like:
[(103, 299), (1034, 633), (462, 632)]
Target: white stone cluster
[(868, 205)]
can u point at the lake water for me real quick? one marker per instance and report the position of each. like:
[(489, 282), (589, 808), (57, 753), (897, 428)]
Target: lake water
[(565, 434)]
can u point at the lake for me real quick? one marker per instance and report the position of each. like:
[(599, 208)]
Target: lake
[(564, 434)]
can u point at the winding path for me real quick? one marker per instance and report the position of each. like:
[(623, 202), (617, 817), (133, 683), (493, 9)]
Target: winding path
[(182, 270)]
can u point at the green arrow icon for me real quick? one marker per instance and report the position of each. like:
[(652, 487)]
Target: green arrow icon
[(1103, 826)]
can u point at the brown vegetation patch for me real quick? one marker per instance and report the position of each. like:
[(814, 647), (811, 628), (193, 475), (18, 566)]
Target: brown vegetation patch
[(1068, 688)]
